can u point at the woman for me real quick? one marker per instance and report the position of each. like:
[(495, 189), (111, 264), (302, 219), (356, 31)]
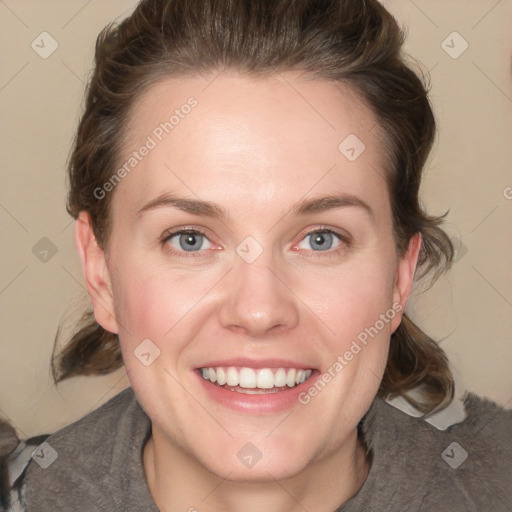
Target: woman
[(245, 184)]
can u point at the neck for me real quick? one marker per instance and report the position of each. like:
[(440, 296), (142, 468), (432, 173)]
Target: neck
[(178, 482)]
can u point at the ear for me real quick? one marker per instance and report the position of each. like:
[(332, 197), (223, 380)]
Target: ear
[(97, 277), (404, 278)]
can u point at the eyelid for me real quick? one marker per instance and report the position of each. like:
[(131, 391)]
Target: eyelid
[(344, 238), (170, 233)]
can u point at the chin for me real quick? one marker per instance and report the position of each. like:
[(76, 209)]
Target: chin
[(251, 465)]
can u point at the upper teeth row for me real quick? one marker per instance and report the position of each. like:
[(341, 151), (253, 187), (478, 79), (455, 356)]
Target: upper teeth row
[(249, 378)]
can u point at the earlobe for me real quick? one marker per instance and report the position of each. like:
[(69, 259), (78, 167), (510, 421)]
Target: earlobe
[(404, 278), (97, 277)]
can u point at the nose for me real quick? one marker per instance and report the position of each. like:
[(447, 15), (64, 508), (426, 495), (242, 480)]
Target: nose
[(258, 299)]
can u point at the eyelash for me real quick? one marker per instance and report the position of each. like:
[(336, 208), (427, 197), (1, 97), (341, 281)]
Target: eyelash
[(345, 240)]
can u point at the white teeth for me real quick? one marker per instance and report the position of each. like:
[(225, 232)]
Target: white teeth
[(265, 379), (290, 378), (249, 378), (221, 376), (280, 378), (232, 377)]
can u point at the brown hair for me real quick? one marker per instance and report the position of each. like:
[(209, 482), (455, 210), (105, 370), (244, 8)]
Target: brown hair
[(356, 43)]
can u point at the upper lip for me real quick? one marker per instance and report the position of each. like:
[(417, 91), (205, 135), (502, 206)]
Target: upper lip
[(256, 363)]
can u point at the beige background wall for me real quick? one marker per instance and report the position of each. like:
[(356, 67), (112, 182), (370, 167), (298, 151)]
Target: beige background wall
[(469, 173)]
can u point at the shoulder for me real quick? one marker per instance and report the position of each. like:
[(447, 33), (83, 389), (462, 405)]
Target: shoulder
[(478, 453), (85, 460), (467, 465), (85, 436)]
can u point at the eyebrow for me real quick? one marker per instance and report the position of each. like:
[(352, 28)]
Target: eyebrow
[(210, 209)]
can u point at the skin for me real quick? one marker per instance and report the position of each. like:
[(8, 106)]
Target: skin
[(255, 146)]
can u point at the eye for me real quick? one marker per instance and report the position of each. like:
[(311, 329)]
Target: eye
[(190, 242), (186, 240), (323, 239)]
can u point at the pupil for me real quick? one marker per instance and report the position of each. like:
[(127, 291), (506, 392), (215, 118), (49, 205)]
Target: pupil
[(190, 241), (322, 241)]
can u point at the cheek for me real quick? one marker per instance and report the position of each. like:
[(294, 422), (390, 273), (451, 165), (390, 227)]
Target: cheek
[(150, 304), (350, 299), (156, 302), (138, 305), (156, 306)]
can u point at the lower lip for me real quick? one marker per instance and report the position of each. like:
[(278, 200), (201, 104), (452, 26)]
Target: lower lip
[(264, 403)]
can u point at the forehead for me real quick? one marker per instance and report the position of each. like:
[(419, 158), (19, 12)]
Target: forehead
[(262, 138)]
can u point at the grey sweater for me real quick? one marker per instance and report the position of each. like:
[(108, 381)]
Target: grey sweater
[(95, 464)]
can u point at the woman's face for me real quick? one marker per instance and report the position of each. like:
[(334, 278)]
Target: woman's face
[(279, 282)]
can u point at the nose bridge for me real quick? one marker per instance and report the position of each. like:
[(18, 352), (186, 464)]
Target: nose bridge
[(257, 300)]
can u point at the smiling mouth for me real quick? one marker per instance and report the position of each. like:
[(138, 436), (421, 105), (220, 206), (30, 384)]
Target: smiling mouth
[(253, 381)]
